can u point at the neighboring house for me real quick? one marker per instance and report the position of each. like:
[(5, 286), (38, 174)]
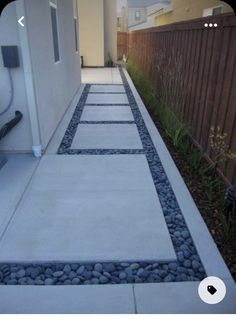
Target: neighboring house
[(181, 10), (49, 74), (122, 19), (151, 12), (140, 13), (98, 31)]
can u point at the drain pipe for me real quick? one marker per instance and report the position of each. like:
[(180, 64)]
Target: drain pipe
[(29, 80)]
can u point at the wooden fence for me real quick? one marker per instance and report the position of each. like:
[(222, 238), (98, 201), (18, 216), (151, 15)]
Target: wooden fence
[(122, 44), (195, 68)]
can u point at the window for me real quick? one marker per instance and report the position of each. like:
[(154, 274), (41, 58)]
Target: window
[(212, 11), (55, 34), (75, 7), (137, 15), (217, 10)]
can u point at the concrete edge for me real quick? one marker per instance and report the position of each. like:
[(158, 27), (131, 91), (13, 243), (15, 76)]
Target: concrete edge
[(86, 299), (180, 298)]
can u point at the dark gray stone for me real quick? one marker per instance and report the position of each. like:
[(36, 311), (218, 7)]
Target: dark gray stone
[(134, 266), (173, 266), (75, 281), (63, 278), (98, 267), (30, 281), (48, 271), (187, 263), (95, 281), (107, 274), (124, 265), (155, 265), (39, 282), (187, 254), (103, 279), (115, 279), (87, 282), (196, 265), (67, 282), (169, 278), (183, 277), (58, 274), (20, 274), (109, 267), (74, 267), (87, 275), (12, 282), (96, 274), (67, 269), (191, 272), (80, 270), (185, 234), (137, 279), (122, 276), (163, 273), (49, 281), (35, 272), (72, 275)]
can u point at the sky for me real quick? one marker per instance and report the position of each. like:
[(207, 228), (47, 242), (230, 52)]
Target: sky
[(145, 3), (133, 3), (120, 4)]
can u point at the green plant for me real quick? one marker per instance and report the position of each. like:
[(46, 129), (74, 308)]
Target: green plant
[(185, 146), (228, 223), (220, 150), (195, 158)]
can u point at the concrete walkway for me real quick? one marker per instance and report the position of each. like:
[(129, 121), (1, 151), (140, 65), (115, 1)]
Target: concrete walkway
[(107, 190)]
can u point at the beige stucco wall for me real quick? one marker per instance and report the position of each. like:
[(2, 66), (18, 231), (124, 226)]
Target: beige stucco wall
[(110, 29), (189, 9), (91, 22)]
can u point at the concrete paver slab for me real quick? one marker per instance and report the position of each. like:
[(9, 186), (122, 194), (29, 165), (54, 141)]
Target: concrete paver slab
[(89, 209), (14, 177), (117, 99), (107, 136), (107, 88), (101, 76), (180, 298), (93, 299), (107, 113)]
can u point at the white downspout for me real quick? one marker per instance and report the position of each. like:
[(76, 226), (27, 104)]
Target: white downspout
[(29, 79)]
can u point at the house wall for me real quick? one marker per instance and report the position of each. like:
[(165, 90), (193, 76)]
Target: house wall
[(189, 9), (19, 139), (131, 16), (91, 21), (110, 29), (55, 83)]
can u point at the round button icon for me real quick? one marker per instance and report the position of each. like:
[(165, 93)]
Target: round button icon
[(212, 290)]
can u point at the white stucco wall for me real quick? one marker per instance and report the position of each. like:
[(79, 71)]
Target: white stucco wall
[(55, 83), (110, 29), (19, 139)]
